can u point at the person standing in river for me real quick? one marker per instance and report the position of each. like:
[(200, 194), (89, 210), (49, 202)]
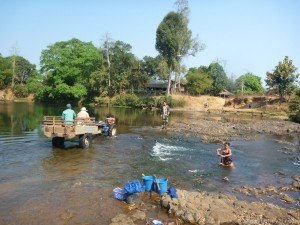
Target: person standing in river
[(225, 155), (165, 112), (68, 115)]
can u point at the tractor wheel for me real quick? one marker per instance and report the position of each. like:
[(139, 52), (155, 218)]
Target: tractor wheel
[(85, 141), (58, 142), (112, 130)]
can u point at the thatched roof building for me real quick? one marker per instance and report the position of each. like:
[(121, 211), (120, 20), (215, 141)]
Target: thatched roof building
[(225, 93)]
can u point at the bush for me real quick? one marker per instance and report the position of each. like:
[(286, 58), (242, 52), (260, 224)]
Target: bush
[(149, 102), (20, 91), (171, 102), (101, 100), (127, 100), (295, 118)]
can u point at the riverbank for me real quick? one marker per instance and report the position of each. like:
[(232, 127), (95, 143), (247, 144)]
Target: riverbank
[(206, 208)]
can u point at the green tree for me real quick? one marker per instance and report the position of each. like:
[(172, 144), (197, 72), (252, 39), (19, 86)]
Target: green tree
[(174, 40), (67, 66), (250, 84), (283, 77), (198, 81), (99, 82), (5, 72), (22, 70), (219, 77), (122, 62)]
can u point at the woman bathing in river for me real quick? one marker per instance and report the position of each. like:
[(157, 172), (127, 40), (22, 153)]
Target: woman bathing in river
[(225, 155)]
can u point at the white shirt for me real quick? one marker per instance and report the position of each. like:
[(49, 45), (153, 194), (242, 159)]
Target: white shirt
[(83, 114)]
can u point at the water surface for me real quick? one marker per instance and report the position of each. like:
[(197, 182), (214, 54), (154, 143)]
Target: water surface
[(40, 184)]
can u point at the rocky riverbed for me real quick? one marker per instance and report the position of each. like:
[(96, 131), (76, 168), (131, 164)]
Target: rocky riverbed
[(215, 128), (221, 208)]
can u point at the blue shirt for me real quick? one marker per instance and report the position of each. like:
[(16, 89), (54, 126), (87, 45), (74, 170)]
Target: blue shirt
[(69, 115)]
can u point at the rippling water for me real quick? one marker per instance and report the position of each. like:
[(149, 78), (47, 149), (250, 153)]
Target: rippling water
[(40, 184)]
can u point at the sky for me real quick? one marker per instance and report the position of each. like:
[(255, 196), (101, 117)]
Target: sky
[(244, 36)]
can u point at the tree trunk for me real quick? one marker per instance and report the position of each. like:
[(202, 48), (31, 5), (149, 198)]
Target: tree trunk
[(13, 72), (169, 81)]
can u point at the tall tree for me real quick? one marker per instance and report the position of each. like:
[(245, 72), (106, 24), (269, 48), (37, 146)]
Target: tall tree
[(106, 49), (219, 77), (14, 53), (174, 41), (250, 82), (198, 81), (123, 62), (15, 69), (155, 67), (67, 66), (283, 77)]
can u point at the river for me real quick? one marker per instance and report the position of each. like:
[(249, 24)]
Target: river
[(40, 184)]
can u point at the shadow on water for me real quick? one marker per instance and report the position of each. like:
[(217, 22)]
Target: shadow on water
[(72, 184)]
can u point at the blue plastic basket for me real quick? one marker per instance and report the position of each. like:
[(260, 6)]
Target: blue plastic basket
[(119, 193)]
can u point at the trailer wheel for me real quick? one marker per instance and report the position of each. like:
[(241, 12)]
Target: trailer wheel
[(112, 130), (85, 141), (58, 142)]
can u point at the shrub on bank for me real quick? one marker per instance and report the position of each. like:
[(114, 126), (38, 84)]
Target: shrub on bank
[(126, 100), (295, 118), (20, 91), (133, 101), (171, 102), (102, 100)]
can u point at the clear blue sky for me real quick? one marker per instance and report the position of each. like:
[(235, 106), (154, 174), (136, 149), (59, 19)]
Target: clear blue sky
[(243, 35)]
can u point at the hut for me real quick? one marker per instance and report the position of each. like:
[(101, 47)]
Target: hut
[(225, 93)]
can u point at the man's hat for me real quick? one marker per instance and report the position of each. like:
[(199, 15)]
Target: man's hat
[(83, 109), (69, 106)]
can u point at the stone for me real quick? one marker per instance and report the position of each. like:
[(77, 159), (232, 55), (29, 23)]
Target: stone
[(286, 198), (139, 215), (296, 184), (121, 219)]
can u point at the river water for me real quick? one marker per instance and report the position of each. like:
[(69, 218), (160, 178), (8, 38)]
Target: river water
[(40, 184)]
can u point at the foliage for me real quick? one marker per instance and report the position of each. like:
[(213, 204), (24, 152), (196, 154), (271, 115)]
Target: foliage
[(127, 100), (20, 91), (171, 102), (283, 77), (123, 63), (198, 81), (155, 67), (295, 117), (294, 107), (219, 77), (5, 72), (249, 83), (99, 83), (22, 67), (133, 101), (67, 66), (102, 100), (149, 102)]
